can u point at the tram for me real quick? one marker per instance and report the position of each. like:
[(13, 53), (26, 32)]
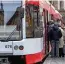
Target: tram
[(23, 37)]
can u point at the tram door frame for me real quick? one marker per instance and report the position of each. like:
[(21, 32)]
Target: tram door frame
[(45, 12)]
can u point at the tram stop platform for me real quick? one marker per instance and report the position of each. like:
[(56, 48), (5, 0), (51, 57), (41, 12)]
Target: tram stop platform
[(55, 60)]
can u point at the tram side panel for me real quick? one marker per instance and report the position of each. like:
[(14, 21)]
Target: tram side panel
[(34, 31)]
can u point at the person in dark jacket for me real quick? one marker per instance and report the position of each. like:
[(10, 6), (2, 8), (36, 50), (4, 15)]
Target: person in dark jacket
[(54, 36), (50, 25)]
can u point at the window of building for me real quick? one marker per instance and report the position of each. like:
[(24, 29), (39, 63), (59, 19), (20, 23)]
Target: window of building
[(55, 4), (61, 5)]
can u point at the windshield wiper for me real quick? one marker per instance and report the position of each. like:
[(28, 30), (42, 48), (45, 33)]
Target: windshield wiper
[(11, 34)]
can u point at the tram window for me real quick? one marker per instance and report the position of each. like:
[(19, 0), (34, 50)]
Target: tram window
[(33, 23), (11, 24), (36, 15)]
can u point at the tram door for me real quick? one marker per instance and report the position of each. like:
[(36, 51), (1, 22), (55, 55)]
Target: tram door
[(45, 12)]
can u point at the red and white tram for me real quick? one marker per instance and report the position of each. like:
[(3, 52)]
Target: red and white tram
[(24, 36)]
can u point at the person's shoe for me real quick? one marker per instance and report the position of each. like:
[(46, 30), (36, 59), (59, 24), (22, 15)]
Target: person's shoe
[(63, 56), (59, 56)]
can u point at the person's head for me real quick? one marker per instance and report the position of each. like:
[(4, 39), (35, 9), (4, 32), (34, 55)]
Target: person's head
[(55, 27), (50, 22), (59, 22)]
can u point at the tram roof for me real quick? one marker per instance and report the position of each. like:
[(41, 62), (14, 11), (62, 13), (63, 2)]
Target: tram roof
[(36, 3)]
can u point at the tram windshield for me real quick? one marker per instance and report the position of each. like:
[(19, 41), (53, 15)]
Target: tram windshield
[(10, 22)]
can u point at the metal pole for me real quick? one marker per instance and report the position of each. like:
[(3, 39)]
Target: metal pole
[(23, 21)]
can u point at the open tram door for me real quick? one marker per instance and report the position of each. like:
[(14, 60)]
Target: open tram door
[(49, 8), (45, 15)]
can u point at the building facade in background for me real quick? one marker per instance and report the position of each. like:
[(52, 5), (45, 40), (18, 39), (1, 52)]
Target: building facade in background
[(60, 6)]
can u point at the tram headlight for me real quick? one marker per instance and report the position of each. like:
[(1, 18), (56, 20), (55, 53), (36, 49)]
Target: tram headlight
[(15, 47), (21, 47)]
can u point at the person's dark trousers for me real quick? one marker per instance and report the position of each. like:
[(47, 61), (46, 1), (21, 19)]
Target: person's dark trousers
[(61, 52), (55, 48)]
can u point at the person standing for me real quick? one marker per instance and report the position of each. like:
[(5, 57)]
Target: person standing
[(50, 25), (61, 40), (54, 36)]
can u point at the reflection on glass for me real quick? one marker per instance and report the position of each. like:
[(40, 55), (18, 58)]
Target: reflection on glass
[(10, 22), (33, 22)]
